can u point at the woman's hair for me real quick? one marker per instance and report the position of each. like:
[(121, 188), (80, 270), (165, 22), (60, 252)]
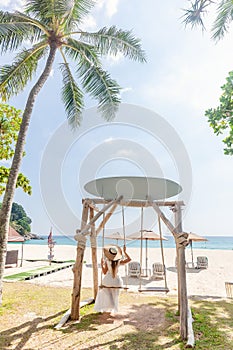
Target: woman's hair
[(114, 264)]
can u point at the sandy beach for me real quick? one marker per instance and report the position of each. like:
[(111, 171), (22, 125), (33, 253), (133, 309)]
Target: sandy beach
[(205, 283)]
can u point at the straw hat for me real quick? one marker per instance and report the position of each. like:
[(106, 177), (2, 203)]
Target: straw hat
[(113, 252)]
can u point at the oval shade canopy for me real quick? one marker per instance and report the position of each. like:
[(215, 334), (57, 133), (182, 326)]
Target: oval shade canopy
[(133, 188)]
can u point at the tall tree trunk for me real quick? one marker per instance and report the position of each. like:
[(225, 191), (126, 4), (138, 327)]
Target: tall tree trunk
[(16, 162)]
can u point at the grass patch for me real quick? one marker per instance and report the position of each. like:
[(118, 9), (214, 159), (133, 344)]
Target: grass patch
[(37, 272), (30, 312)]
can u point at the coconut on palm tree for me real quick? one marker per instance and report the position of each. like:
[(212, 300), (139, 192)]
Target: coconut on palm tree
[(51, 27)]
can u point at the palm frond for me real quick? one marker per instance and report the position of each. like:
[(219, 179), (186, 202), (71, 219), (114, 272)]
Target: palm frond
[(72, 96), (14, 77), (15, 28), (78, 10), (53, 11), (112, 41), (73, 48), (223, 19), (94, 79), (101, 87), (47, 12), (194, 15)]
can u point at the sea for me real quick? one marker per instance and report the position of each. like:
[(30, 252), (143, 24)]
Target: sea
[(213, 242)]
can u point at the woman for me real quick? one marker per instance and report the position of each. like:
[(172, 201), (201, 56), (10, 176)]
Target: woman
[(108, 295)]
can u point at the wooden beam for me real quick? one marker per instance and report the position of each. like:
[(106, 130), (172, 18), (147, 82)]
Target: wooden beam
[(94, 207), (77, 270), (106, 218), (182, 278), (84, 230), (181, 239), (94, 254), (137, 203), (164, 218), (178, 276), (191, 339), (66, 316)]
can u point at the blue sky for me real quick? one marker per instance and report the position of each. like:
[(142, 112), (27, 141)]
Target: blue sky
[(181, 79)]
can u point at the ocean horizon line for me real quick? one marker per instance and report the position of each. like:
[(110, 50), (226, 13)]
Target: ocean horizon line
[(213, 242)]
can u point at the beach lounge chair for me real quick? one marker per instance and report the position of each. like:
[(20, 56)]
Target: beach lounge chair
[(158, 270), (134, 269), (202, 262)]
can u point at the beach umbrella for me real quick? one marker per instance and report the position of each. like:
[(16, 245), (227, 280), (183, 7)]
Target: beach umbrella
[(193, 237), (146, 235), (117, 236)]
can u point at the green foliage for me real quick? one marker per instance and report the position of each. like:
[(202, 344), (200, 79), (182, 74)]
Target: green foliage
[(22, 181), (21, 71), (221, 118), (10, 120), (19, 219), (57, 25)]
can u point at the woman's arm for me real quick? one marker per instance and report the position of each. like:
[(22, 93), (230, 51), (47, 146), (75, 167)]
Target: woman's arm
[(104, 266), (127, 257)]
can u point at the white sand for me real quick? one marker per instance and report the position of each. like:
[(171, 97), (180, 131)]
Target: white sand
[(203, 283)]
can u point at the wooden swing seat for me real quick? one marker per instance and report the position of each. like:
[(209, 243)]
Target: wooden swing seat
[(102, 286), (154, 289)]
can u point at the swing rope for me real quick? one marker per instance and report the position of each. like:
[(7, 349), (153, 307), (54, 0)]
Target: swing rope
[(153, 289), (162, 252), (123, 228), (140, 277), (103, 236), (123, 222)]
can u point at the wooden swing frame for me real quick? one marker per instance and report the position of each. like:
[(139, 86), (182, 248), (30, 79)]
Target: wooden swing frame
[(88, 228)]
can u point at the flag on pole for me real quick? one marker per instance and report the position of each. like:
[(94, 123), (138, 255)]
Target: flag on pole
[(50, 238)]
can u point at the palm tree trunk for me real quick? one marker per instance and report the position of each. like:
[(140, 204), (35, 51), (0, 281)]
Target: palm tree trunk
[(16, 162)]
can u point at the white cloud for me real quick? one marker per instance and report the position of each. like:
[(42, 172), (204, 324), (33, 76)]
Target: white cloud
[(110, 139), (124, 90), (115, 59), (100, 4), (192, 77), (89, 23), (12, 4), (110, 6), (5, 3)]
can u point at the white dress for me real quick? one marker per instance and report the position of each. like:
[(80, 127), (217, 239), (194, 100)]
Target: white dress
[(107, 298)]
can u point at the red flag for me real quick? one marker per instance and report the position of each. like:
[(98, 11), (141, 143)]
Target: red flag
[(50, 238)]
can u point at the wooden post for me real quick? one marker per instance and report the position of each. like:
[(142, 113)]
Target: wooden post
[(94, 254), (178, 276), (183, 298), (181, 242), (77, 270), (81, 238)]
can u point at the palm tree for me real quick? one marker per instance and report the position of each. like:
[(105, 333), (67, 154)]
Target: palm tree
[(194, 15), (53, 26), (220, 118)]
